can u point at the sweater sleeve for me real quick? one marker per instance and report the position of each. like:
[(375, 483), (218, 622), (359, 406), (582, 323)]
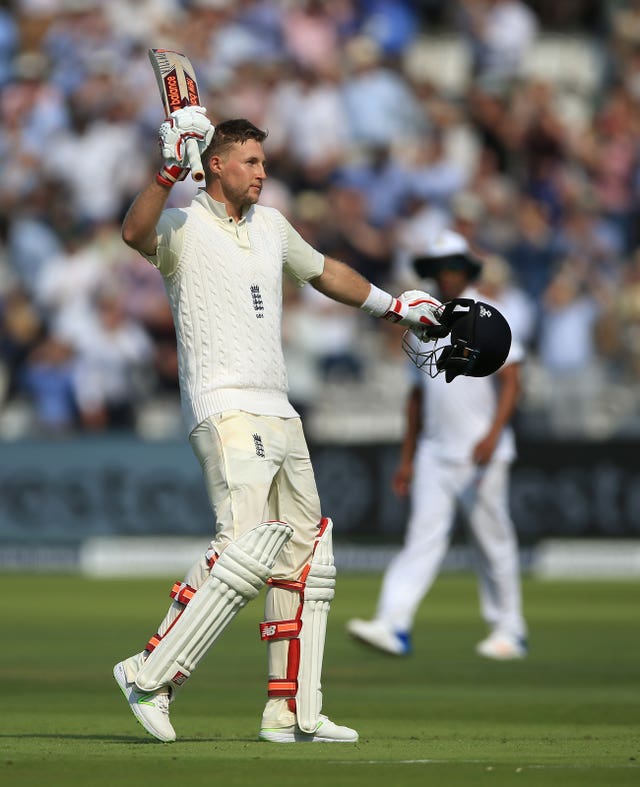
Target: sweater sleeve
[(170, 232), (301, 261)]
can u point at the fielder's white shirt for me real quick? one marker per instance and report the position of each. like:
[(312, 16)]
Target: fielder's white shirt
[(224, 282), (458, 414)]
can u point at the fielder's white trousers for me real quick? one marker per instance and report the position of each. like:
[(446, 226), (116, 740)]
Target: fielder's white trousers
[(438, 487)]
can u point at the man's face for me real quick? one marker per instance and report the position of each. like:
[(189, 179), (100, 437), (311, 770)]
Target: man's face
[(242, 173), (451, 283)]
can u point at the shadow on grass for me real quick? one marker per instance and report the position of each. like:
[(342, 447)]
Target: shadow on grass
[(118, 738)]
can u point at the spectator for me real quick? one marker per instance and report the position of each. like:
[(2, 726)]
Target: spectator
[(314, 130), (567, 351), (496, 285), (47, 379), (9, 43), (111, 374), (21, 329), (98, 149), (380, 106), (500, 33), (69, 281)]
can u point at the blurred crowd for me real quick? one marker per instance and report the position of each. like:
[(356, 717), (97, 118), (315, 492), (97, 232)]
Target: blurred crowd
[(514, 122)]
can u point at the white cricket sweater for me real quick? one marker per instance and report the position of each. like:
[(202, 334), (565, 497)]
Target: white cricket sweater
[(224, 283)]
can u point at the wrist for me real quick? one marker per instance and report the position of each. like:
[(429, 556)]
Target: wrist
[(171, 173), (163, 181), (381, 304)]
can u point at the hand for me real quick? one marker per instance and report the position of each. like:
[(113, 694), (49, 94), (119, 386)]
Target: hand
[(483, 449), (183, 136), (187, 123), (402, 478), (171, 173), (420, 312)]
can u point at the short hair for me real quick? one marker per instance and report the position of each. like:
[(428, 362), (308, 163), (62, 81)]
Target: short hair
[(228, 133)]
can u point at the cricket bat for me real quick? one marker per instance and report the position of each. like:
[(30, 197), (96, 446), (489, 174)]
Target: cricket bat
[(178, 88)]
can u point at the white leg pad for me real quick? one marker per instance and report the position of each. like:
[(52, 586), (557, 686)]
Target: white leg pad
[(236, 577), (318, 593)]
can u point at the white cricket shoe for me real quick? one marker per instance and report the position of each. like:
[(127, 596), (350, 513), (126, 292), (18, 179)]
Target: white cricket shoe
[(502, 647), (379, 635), (325, 732), (151, 708)]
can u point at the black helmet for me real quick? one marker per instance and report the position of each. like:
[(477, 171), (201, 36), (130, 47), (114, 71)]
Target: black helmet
[(480, 341)]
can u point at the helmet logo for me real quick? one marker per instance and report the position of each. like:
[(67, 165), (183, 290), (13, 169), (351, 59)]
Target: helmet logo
[(483, 311)]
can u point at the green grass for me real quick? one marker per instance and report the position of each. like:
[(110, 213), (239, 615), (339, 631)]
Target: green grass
[(568, 715)]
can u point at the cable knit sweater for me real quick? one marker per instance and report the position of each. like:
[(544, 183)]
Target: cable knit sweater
[(224, 282)]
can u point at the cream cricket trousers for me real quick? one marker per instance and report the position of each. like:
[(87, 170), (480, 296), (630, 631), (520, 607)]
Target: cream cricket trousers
[(257, 468), (482, 492)]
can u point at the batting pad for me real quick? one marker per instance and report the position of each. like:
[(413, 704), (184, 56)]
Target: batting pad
[(318, 593), (236, 577)]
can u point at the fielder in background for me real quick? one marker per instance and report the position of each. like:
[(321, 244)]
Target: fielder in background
[(457, 451), (223, 259)]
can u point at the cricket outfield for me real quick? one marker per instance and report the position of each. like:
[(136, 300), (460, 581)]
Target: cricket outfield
[(568, 715)]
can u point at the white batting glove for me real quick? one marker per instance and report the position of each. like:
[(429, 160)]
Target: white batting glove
[(187, 123), (420, 312)]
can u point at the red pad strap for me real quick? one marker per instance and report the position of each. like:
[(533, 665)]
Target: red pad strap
[(287, 584), (153, 643), (282, 687), (280, 629), (182, 593)]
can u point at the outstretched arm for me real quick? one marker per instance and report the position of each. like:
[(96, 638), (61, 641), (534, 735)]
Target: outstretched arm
[(417, 310), (342, 283)]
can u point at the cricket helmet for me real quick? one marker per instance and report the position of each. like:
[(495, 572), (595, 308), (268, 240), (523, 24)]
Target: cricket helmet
[(480, 340)]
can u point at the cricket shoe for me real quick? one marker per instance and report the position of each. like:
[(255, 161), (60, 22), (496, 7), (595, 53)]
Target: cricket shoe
[(502, 647), (325, 732), (151, 708), (380, 636)]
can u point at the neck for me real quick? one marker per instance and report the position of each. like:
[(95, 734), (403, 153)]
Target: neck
[(234, 210)]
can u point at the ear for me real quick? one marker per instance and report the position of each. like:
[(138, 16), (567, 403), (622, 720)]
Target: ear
[(215, 165)]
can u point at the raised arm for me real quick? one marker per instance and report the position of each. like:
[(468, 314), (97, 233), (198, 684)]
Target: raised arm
[(139, 225), (186, 124)]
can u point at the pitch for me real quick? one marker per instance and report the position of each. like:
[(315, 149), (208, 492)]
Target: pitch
[(568, 715)]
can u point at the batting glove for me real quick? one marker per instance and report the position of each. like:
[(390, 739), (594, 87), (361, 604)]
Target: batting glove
[(187, 123), (420, 312)]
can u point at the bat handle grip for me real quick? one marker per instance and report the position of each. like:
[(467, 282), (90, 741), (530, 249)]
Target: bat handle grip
[(195, 164)]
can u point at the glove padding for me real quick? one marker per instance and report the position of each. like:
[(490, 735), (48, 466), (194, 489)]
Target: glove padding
[(420, 312), (187, 123)]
